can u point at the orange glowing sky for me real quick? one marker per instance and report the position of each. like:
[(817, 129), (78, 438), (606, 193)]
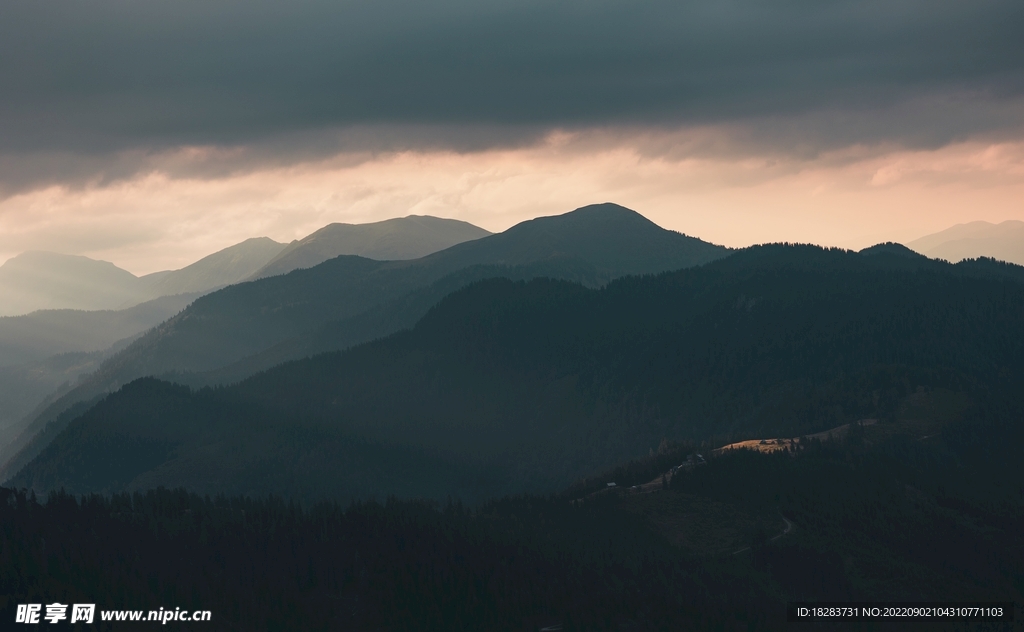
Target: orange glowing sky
[(850, 198), (152, 134)]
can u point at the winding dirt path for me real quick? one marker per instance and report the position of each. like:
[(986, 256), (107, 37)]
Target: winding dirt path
[(787, 529)]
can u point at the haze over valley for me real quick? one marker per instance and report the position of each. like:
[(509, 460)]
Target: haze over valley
[(1004, 241), (505, 316)]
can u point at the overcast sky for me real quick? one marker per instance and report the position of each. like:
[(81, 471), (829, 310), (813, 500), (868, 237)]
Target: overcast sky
[(152, 132)]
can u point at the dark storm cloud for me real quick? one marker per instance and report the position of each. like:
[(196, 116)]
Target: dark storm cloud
[(96, 77)]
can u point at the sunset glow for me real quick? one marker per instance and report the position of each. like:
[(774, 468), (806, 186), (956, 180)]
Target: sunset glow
[(852, 198)]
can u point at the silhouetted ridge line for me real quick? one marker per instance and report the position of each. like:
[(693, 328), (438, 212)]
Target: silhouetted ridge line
[(349, 299)]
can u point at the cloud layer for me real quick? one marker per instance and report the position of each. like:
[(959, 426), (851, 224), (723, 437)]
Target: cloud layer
[(93, 89), (153, 133), (851, 198)]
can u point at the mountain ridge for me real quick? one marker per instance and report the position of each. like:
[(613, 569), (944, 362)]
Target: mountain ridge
[(246, 319), (40, 280), (224, 267), (531, 385), (44, 333), (399, 238), (1003, 241)]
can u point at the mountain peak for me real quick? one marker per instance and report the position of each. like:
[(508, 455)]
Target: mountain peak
[(49, 258), (38, 279), (594, 214), (609, 236), (1003, 241), (224, 267), (604, 209), (891, 248)]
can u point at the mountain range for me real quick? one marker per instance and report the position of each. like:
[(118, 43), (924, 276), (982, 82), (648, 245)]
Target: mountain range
[(1004, 241), (224, 267), (396, 239), (524, 386), (45, 280), (348, 300), (43, 354), (44, 333), (38, 280), (543, 396)]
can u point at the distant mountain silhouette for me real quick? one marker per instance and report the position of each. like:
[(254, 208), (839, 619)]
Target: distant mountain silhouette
[(244, 319), (50, 348), (34, 385), (591, 245), (230, 265), (395, 239), (1004, 241), (348, 300), (43, 354), (386, 318), (612, 238), (526, 386), (44, 333), (37, 280), (47, 280)]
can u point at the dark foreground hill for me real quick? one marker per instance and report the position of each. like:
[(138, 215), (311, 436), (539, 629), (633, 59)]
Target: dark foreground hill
[(511, 386), (234, 332), (880, 516)]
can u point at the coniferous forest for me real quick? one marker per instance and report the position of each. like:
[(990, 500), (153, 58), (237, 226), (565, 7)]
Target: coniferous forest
[(321, 315), (540, 454), (896, 521)]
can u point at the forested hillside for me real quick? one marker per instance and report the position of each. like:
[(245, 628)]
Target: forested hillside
[(528, 386), (247, 318), (879, 516), (387, 318), (517, 564), (43, 355), (349, 300)]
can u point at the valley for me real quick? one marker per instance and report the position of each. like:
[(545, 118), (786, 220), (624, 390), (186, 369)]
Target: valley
[(777, 420), (503, 316)]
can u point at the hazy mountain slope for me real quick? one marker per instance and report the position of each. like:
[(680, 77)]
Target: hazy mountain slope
[(610, 237), (49, 350), (1004, 241), (959, 231), (218, 328), (387, 318), (46, 280), (230, 265), (239, 321), (45, 333), (395, 239), (526, 386), (30, 387)]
